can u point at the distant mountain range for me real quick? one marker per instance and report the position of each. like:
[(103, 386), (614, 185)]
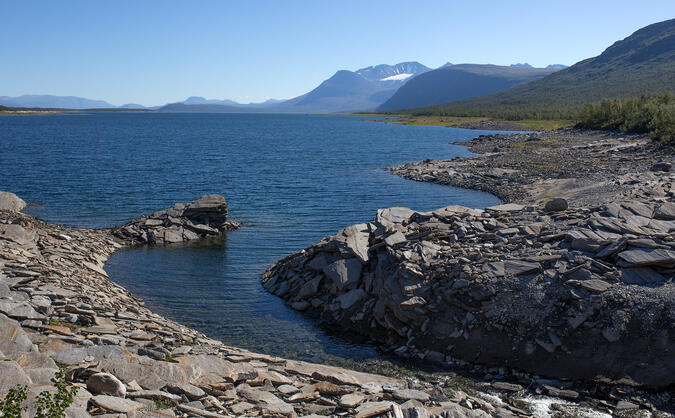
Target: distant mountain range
[(461, 81), (58, 102), (365, 89), (644, 62)]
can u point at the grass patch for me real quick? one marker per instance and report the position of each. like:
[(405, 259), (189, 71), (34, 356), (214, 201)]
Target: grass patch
[(59, 323)]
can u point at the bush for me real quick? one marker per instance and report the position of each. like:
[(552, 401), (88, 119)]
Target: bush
[(48, 405), (10, 407), (653, 114)]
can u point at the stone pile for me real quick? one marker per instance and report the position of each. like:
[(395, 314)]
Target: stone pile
[(58, 308), (202, 218), (582, 293)]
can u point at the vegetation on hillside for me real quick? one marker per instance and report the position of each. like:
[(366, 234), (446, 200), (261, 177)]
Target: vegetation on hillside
[(642, 63), (654, 114)]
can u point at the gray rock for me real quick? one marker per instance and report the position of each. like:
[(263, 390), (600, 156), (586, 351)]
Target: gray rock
[(19, 310), (662, 166), (344, 273), (115, 404), (665, 211), (556, 204), (595, 285), (407, 394), (106, 384), (352, 400), (12, 375), (10, 201), (191, 391), (17, 234), (395, 239), (350, 298), (13, 339), (640, 258), (516, 267)]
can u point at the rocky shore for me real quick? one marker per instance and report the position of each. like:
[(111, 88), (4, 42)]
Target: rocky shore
[(574, 282), (58, 308)]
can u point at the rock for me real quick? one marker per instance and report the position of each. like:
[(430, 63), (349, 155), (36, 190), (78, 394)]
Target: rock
[(356, 239), (267, 401), (192, 392), (508, 207), (662, 166), (351, 400), (198, 411), (561, 393), (408, 394), (115, 404), (19, 310), (507, 387), (665, 211), (106, 384), (595, 285), (516, 267), (371, 409), (344, 273), (556, 204), (17, 234), (12, 375), (13, 339), (641, 258), (10, 201), (350, 298), (395, 239)]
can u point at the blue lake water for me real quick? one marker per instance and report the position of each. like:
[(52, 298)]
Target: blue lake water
[(292, 179)]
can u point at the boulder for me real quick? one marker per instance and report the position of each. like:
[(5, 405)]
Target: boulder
[(556, 204), (11, 202), (106, 384)]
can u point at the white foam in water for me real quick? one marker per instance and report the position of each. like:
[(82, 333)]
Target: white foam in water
[(541, 408)]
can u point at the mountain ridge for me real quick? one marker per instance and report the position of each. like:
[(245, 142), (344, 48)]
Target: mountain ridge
[(643, 62)]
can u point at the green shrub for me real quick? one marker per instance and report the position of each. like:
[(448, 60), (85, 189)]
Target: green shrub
[(48, 405), (53, 405), (10, 407), (653, 114)]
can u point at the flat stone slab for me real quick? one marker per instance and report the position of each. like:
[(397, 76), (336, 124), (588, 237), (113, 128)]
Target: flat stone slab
[(641, 258), (115, 404)]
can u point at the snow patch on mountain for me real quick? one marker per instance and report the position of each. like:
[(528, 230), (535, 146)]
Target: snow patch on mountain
[(397, 77)]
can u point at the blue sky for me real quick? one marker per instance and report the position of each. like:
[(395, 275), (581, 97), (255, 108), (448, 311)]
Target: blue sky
[(154, 52)]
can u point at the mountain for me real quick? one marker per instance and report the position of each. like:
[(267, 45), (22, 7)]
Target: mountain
[(396, 73), (558, 66), (346, 91), (644, 62), (196, 100), (458, 82), (522, 65), (53, 102), (207, 108)]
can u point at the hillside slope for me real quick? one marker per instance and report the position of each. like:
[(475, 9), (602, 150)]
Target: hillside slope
[(458, 82), (644, 62)]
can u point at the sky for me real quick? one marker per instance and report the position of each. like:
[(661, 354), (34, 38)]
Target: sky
[(156, 52)]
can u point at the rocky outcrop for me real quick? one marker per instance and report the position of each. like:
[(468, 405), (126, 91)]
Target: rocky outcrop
[(202, 218), (11, 202), (584, 167), (59, 309), (581, 293)]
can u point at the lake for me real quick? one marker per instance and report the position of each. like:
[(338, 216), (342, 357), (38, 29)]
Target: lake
[(292, 179)]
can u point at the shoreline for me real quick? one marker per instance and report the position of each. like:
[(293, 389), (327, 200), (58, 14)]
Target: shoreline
[(465, 122), (340, 278), (58, 308)]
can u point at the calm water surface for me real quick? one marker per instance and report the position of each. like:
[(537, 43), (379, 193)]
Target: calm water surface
[(293, 179)]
